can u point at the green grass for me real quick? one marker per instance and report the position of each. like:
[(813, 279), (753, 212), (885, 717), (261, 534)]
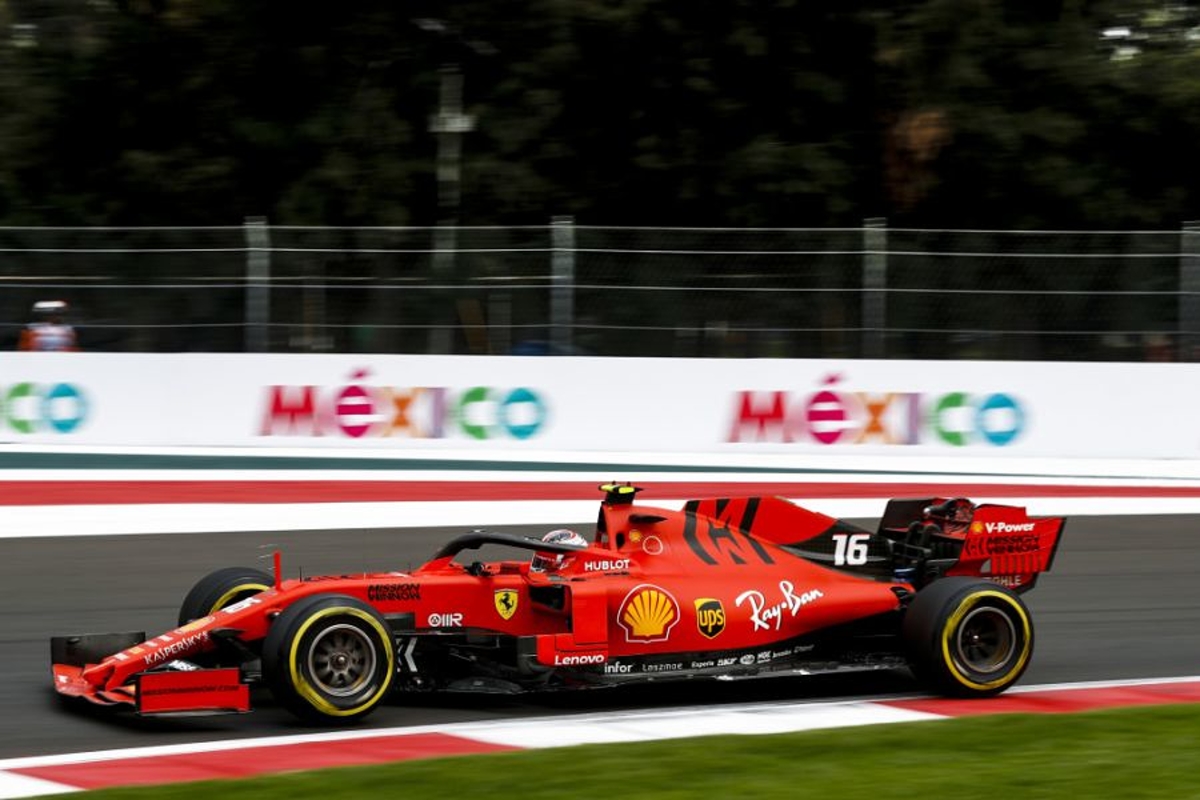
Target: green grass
[(1123, 753)]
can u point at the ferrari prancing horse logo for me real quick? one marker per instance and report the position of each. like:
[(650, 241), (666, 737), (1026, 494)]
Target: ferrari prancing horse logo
[(506, 602)]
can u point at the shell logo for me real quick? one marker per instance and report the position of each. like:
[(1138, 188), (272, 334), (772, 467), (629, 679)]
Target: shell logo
[(648, 613)]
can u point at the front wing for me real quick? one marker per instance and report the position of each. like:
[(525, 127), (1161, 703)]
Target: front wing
[(176, 689)]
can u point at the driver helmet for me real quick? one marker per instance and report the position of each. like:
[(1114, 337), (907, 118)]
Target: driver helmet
[(551, 562), (958, 514), (48, 310)]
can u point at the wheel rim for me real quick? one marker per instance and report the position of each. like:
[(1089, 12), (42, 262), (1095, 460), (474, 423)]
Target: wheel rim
[(341, 659), (986, 641)]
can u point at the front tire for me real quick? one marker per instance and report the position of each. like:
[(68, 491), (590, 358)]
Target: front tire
[(329, 658), (222, 589), (968, 637)]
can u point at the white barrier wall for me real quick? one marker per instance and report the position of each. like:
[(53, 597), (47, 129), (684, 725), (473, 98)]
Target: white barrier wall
[(601, 404)]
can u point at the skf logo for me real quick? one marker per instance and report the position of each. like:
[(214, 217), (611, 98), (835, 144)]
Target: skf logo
[(710, 617), (506, 602), (647, 614)]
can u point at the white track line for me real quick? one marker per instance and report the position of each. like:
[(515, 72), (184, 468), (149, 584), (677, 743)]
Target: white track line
[(559, 731), (17, 522), (685, 720)]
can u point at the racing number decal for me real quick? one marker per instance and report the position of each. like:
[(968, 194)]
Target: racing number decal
[(850, 549), (723, 531)]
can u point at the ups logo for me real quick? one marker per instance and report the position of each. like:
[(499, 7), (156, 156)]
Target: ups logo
[(710, 617)]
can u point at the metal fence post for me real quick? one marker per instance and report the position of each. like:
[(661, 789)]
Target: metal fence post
[(1189, 292), (258, 290), (562, 281), (874, 281)]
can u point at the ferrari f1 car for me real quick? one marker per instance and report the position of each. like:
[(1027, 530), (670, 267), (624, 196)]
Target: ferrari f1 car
[(727, 588)]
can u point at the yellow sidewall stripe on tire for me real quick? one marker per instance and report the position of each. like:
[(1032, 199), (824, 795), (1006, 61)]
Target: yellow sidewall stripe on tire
[(311, 695), (969, 602), (244, 588)]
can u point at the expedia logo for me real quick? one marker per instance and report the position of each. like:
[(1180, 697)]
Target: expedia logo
[(710, 617), (647, 614)]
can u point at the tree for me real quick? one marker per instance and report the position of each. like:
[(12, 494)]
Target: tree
[(937, 113)]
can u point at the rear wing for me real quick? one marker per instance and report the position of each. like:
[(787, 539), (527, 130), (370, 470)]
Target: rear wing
[(1005, 545), (935, 537)]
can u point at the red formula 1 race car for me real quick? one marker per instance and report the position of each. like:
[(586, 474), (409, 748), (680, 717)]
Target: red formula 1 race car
[(731, 587)]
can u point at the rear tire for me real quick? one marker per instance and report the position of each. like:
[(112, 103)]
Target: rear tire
[(968, 637), (329, 658), (222, 589)]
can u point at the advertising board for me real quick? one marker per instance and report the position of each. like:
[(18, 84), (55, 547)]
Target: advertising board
[(507, 403)]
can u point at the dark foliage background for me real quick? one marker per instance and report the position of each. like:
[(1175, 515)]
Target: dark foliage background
[(942, 113)]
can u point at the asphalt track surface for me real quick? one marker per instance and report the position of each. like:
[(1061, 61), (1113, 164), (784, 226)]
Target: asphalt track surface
[(1123, 601)]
